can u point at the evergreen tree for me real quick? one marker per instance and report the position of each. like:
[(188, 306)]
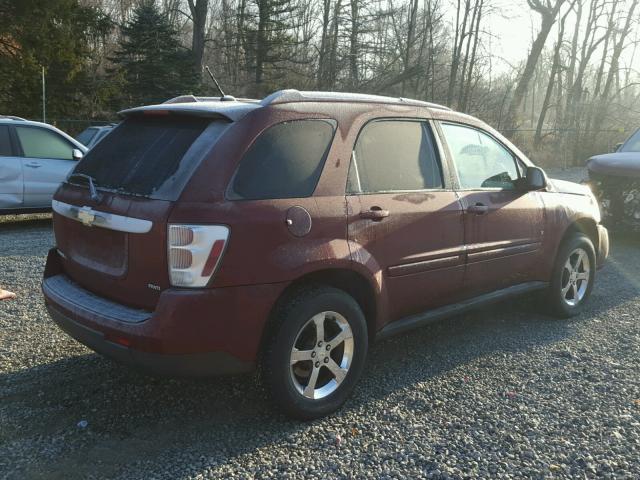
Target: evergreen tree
[(150, 62), (55, 35)]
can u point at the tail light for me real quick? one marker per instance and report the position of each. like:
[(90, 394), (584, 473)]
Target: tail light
[(194, 253)]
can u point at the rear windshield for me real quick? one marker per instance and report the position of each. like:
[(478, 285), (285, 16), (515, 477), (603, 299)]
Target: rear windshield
[(150, 156)]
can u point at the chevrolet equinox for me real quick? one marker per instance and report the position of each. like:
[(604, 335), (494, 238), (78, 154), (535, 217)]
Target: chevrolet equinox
[(206, 236)]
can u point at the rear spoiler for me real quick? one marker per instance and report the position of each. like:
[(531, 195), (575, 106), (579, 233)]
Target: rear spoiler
[(230, 110)]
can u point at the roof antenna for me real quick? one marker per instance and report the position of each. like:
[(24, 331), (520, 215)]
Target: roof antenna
[(214, 81)]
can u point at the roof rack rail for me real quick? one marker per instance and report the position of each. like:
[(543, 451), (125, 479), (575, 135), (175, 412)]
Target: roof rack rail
[(194, 99), (291, 96), (13, 117)]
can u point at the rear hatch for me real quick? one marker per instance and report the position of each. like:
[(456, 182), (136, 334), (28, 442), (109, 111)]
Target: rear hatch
[(112, 236)]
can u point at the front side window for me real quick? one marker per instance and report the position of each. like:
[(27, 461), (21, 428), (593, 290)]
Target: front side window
[(481, 162), (394, 155), (41, 143), (285, 161)]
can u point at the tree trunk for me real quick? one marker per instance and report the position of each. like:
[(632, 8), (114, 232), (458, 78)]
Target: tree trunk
[(413, 14), (199, 10), (333, 52), (457, 49), (465, 83), (549, 92), (261, 43), (549, 15), (324, 45), (353, 45)]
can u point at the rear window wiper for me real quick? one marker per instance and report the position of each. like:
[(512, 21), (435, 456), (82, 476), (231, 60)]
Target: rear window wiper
[(92, 184)]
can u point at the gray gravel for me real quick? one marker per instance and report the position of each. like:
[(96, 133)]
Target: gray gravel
[(502, 393)]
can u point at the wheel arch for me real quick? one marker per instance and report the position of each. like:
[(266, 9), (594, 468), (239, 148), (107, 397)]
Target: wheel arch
[(347, 280), (586, 226)]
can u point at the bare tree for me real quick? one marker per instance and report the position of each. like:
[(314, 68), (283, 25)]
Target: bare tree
[(548, 11)]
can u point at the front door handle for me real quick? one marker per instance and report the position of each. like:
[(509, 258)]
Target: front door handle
[(33, 165), (478, 209), (375, 213)]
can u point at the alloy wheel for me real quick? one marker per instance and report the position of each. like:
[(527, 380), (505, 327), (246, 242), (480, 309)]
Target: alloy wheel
[(321, 355), (575, 277)]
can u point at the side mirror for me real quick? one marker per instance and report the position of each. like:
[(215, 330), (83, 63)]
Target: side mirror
[(535, 179), (617, 147), (77, 154)]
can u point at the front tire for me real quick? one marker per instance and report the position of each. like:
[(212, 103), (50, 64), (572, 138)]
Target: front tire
[(573, 276), (316, 352)]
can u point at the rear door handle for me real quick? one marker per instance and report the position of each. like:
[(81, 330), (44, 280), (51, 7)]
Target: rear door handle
[(33, 165), (375, 213), (478, 209)]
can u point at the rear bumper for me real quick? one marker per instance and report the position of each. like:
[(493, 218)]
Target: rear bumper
[(191, 365), (191, 332), (603, 246)]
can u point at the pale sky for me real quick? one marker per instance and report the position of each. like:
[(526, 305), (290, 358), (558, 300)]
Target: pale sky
[(513, 26)]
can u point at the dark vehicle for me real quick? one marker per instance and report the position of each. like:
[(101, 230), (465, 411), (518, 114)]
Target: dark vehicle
[(90, 136), (289, 233), (615, 179)]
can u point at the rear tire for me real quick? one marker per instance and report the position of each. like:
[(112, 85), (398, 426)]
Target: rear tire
[(315, 352), (573, 276)]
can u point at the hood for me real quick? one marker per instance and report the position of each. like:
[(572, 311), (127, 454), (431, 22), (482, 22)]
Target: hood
[(563, 186), (624, 164)]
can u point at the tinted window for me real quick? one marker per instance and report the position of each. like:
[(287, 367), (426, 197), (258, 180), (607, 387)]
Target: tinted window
[(633, 144), (41, 143), (5, 141), (143, 153), (481, 162), (394, 155), (100, 135), (86, 135), (284, 162)]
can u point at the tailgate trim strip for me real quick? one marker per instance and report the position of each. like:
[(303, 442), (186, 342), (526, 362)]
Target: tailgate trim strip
[(95, 218), (68, 294)]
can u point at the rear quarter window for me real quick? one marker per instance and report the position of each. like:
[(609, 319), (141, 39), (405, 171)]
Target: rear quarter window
[(285, 161)]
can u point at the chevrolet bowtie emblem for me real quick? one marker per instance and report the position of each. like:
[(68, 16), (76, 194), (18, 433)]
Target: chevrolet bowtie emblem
[(86, 216)]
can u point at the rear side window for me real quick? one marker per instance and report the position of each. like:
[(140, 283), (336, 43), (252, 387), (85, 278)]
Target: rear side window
[(86, 135), (149, 155), (285, 161), (40, 143), (394, 155), (5, 142)]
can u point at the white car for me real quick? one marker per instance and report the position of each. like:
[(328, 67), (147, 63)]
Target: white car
[(34, 159)]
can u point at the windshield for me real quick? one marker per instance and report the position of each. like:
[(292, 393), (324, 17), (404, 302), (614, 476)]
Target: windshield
[(86, 135), (633, 144), (150, 156)]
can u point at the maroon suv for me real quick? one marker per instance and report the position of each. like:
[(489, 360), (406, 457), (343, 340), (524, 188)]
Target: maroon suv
[(207, 236)]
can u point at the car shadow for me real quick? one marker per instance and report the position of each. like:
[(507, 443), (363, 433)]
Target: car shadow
[(133, 419)]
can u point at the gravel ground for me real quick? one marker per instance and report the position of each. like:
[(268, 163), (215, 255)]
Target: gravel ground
[(501, 393)]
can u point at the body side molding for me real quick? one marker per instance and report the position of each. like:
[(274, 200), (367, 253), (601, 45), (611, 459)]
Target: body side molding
[(420, 319)]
